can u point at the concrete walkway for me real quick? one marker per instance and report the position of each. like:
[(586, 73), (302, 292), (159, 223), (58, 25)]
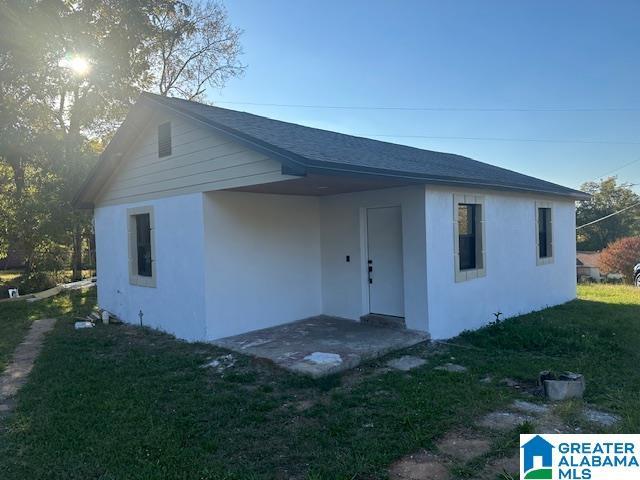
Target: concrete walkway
[(17, 372), (321, 345)]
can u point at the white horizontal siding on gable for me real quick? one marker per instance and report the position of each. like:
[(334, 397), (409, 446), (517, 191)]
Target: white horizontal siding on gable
[(201, 160)]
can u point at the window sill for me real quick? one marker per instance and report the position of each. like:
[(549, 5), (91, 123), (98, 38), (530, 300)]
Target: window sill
[(140, 281), (465, 275)]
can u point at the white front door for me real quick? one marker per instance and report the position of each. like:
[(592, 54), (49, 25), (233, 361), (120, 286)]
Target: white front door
[(384, 244)]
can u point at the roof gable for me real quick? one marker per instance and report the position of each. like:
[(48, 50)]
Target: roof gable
[(200, 160)]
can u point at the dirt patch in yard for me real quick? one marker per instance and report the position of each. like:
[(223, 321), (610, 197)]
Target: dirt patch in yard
[(503, 420), (17, 372), (420, 466), (464, 445)]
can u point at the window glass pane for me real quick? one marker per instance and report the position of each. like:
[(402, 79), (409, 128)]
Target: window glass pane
[(143, 244), (467, 253), (465, 219), (549, 230), (544, 232), (467, 239)]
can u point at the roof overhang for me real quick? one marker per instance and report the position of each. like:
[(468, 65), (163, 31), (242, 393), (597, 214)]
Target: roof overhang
[(322, 182), (312, 174)]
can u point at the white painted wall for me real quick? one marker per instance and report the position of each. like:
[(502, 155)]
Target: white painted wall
[(262, 258), (344, 285), (513, 284), (247, 261), (177, 303)]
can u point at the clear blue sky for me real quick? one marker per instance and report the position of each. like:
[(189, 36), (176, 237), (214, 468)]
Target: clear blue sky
[(464, 54)]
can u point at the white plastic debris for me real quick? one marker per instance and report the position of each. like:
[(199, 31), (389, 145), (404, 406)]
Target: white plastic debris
[(105, 317), (324, 358), (221, 363), (81, 325), (13, 293)]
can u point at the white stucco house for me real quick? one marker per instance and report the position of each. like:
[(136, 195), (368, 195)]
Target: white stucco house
[(212, 222)]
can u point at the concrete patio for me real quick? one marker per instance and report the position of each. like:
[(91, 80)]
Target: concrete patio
[(321, 345)]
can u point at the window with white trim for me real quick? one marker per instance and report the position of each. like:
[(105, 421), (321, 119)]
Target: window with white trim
[(469, 237), (140, 225), (544, 233)]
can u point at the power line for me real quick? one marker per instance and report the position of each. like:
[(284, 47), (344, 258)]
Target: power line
[(619, 168), (609, 216), (468, 109), (500, 139), (434, 109)]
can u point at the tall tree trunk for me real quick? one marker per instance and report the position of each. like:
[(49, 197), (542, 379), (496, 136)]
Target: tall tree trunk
[(76, 262), (71, 148), (16, 254)]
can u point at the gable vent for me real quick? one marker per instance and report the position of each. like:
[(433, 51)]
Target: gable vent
[(164, 139)]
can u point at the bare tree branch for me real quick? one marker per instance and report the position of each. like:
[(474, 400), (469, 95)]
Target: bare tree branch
[(195, 47)]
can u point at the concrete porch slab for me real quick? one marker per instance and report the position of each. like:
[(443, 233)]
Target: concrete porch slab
[(321, 345)]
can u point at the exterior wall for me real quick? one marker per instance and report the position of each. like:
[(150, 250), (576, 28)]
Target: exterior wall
[(177, 303), (201, 160), (344, 284), (231, 262), (513, 284), (262, 258)]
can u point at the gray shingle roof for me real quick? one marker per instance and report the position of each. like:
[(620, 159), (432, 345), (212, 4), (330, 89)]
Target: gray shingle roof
[(326, 150)]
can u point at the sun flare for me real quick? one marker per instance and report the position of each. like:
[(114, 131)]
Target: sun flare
[(77, 64)]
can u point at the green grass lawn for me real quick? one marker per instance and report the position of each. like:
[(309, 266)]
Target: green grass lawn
[(120, 402), (9, 276), (16, 317)]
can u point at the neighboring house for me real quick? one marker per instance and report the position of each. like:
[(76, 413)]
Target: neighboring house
[(588, 266), (211, 222)]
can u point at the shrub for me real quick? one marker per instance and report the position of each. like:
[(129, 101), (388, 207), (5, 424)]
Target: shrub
[(49, 256), (37, 281), (621, 256)]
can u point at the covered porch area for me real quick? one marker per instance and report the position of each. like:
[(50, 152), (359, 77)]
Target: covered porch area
[(283, 251)]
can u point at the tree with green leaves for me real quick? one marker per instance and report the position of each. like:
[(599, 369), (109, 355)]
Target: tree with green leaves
[(69, 71), (607, 197)]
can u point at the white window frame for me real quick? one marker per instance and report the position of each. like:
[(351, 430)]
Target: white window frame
[(464, 275), (544, 260), (134, 278)]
